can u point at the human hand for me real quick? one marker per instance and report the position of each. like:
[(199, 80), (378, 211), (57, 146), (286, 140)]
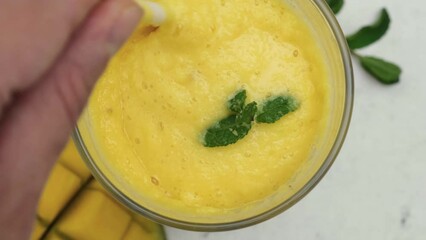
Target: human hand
[(51, 53)]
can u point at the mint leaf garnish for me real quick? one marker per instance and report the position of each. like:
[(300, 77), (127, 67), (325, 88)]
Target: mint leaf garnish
[(275, 108), (236, 104), (231, 129), (224, 132), (237, 125), (335, 5), (385, 72), (247, 115), (370, 34)]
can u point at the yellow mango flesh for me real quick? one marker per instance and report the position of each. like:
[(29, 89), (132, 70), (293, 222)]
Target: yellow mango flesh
[(135, 231), (70, 158), (93, 214), (56, 236), (61, 186), (38, 230), (166, 87)]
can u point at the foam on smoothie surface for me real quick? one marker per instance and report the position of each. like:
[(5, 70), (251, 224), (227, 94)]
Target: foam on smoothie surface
[(165, 87)]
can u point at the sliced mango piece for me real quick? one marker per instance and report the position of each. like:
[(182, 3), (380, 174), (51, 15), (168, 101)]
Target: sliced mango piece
[(95, 185), (137, 232), (71, 158), (148, 225), (141, 227), (55, 236), (60, 188), (93, 216), (38, 230)]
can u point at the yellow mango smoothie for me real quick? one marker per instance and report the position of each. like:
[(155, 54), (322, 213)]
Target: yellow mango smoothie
[(168, 85)]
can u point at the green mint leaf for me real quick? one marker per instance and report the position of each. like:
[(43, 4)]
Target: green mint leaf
[(236, 104), (370, 34), (335, 5), (275, 108), (385, 72), (226, 132), (247, 115), (222, 133), (231, 129)]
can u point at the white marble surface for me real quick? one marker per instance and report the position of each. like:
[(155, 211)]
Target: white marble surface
[(377, 187)]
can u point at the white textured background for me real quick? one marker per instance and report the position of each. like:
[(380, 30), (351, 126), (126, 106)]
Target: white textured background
[(377, 186)]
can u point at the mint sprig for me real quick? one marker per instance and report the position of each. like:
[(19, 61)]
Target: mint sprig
[(382, 70), (236, 103), (335, 5), (231, 129), (226, 131), (247, 114), (275, 108), (385, 72), (237, 125), (370, 34)]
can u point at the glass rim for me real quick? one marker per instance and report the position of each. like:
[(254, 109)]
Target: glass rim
[(314, 180)]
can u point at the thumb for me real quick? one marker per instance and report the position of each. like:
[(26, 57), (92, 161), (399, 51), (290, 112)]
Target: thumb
[(38, 124)]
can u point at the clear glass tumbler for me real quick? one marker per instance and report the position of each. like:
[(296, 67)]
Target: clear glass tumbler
[(333, 44)]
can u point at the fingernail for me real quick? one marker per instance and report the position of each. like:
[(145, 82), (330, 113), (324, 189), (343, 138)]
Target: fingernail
[(154, 13), (125, 23)]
